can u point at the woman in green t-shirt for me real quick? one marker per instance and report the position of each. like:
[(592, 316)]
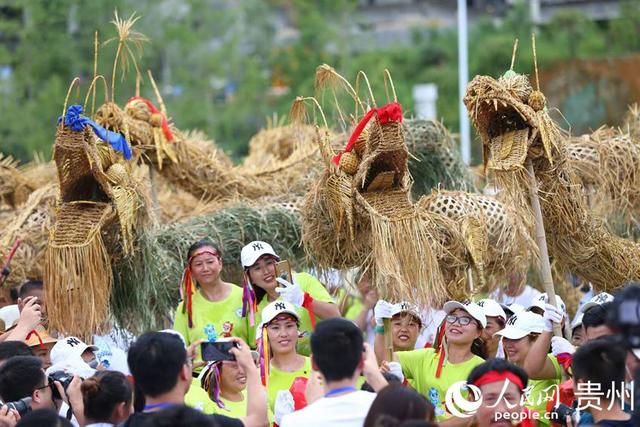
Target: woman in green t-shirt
[(280, 364), (211, 308), (225, 382), (432, 371), (519, 339), (262, 286)]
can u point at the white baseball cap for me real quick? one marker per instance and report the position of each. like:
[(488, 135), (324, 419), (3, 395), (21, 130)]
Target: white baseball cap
[(577, 321), (254, 250), (601, 298), (522, 324), (69, 347), (277, 308), (543, 299), (406, 307), (470, 307), (513, 308), (492, 309)]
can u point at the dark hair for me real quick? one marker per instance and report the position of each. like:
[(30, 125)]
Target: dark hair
[(9, 349), (601, 361), (139, 401), (479, 348), (389, 421), (43, 417), (391, 379), (596, 316), (102, 393), (401, 403), (28, 286), (203, 243), (178, 416), (20, 376), (499, 365), (14, 294), (336, 348), (155, 360)]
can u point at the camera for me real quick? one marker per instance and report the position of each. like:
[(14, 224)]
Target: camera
[(560, 413), (216, 351), (21, 406), (63, 378)]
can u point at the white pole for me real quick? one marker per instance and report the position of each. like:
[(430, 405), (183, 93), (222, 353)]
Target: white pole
[(463, 77)]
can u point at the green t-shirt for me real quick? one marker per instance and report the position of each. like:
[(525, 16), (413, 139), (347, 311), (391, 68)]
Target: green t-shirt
[(233, 409), (419, 368), (212, 320), (281, 380), (198, 398), (352, 305), (318, 292), (541, 391), (237, 409)]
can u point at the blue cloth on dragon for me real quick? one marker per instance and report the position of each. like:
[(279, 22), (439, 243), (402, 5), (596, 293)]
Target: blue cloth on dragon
[(76, 121)]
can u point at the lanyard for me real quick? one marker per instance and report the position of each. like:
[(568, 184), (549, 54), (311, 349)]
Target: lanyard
[(339, 390), (161, 405)]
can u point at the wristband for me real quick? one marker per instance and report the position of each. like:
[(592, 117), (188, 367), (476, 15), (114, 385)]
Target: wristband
[(379, 330), (307, 302)]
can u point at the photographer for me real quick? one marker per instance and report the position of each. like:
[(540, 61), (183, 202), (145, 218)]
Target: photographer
[(162, 369), (599, 366), (23, 378)]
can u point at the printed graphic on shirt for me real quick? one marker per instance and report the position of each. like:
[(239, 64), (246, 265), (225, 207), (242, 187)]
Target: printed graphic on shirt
[(210, 332), (434, 398), (227, 327)]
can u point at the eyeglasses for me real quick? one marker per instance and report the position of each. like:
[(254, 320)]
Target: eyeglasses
[(462, 320)]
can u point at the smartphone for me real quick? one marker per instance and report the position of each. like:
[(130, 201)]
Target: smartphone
[(283, 270), (215, 351)]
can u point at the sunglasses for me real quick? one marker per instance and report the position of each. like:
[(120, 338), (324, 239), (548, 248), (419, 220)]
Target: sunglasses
[(462, 320)]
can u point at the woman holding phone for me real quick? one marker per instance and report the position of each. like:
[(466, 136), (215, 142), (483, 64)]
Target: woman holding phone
[(211, 308), (262, 286)]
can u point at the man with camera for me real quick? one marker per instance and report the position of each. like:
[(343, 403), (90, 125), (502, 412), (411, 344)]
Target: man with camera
[(25, 387), (162, 366)]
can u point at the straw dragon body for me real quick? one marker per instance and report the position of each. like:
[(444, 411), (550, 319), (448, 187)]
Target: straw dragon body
[(515, 128)]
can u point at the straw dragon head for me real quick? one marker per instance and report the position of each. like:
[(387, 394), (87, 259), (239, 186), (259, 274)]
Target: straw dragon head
[(511, 119)]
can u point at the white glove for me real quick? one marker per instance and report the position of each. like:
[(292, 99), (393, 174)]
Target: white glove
[(552, 315), (290, 292), (560, 345), (396, 369), (382, 310), (283, 405)]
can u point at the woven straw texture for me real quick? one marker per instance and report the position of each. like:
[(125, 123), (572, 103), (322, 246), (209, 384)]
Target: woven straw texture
[(577, 240)]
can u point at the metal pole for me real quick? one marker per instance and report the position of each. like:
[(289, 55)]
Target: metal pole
[(463, 77)]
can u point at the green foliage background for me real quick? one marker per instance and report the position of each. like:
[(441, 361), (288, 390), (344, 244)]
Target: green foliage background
[(200, 46)]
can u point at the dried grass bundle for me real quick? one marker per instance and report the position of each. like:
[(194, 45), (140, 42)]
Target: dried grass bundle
[(30, 223), (607, 164), (77, 269), (435, 161), (577, 241)]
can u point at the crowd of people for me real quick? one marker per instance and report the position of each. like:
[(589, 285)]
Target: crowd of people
[(281, 349)]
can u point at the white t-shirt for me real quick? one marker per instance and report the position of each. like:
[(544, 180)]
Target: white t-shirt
[(347, 410), (524, 299)]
